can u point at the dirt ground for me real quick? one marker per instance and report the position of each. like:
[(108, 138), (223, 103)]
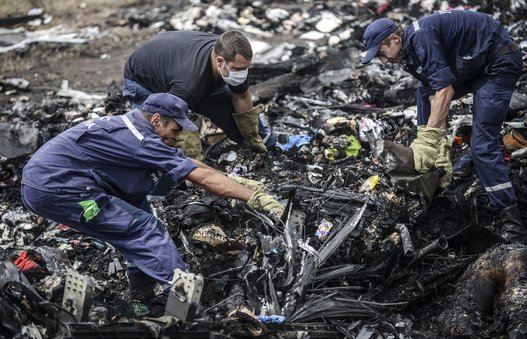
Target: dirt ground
[(89, 67)]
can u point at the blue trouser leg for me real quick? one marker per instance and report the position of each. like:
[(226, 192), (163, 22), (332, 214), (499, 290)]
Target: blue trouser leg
[(135, 93), (140, 237), (492, 95)]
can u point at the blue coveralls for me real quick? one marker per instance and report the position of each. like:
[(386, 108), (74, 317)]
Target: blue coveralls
[(95, 177), (473, 53)]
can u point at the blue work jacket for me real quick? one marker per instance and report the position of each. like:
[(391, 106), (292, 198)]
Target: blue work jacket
[(119, 155), (451, 47)]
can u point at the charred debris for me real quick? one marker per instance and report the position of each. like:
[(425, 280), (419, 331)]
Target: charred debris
[(361, 251)]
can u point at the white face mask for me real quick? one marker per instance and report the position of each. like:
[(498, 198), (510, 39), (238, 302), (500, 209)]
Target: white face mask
[(235, 78)]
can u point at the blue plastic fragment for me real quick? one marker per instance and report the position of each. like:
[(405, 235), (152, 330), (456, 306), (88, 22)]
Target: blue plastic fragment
[(274, 319), (297, 140)]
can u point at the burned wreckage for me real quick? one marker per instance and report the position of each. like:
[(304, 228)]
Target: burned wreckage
[(366, 247)]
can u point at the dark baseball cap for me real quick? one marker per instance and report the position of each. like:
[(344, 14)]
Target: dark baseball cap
[(375, 33), (169, 105)]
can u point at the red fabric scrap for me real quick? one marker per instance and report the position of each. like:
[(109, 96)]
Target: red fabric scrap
[(24, 262)]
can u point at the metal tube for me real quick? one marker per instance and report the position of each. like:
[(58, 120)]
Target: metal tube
[(438, 244), (406, 240)]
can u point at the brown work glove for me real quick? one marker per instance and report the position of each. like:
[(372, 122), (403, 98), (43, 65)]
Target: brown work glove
[(190, 143), (250, 184), (247, 123), (264, 202)]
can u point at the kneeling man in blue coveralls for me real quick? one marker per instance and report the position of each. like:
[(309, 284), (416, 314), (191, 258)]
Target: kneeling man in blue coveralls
[(95, 178), (453, 53)]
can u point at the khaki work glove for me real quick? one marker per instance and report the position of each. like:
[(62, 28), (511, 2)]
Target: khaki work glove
[(190, 143), (250, 184), (443, 161), (425, 147), (263, 201), (247, 123)]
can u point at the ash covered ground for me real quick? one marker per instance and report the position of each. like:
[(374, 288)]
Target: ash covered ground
[(357, 281)]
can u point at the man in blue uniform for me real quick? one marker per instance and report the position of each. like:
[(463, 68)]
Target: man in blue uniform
[(95, 177), (453, 53), (208, 72)]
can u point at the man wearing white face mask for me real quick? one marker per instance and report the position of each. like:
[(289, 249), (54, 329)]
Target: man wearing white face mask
[(207, 71)]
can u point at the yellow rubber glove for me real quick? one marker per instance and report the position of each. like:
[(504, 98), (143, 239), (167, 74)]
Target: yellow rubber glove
[(247, 123), (251, 184), (264, 202), (425, 147), (443, 161)]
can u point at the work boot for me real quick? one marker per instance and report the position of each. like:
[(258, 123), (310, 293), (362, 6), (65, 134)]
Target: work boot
[(141, 286), (513, 228)]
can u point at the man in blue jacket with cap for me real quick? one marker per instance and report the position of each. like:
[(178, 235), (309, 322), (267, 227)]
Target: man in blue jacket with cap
[(453, 53), (95, 178)]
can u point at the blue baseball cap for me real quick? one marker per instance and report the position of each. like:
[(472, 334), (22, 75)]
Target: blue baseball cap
[(374, 34), (169, 105)]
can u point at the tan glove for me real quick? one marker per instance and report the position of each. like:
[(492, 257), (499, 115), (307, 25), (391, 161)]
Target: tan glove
[(251, 184), (443, 161), (247, 123), (425, 147), (190, 143), (263, 201)]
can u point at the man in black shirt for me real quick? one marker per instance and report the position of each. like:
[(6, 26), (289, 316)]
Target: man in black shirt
[(207, 71)]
